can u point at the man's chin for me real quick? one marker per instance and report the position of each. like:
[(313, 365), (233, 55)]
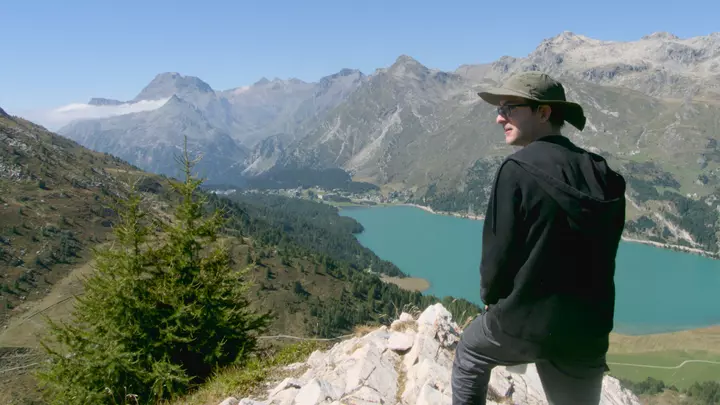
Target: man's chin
[(514, 141)]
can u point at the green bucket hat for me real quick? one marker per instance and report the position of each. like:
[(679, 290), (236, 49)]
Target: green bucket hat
[(540, 88)]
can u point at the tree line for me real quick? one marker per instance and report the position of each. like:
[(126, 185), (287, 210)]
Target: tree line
[(294, 224), (165, 310), (699, 393)]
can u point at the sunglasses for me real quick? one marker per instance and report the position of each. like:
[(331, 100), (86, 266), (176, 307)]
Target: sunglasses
[(505, 110)]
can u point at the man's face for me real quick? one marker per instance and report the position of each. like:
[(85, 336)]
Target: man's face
[(518, 120)]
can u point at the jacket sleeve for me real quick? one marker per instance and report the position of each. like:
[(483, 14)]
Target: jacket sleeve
[(502, 235)]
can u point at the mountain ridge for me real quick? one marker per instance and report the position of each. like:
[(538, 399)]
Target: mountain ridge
[(58, 200), (172, 83), (424, 131)]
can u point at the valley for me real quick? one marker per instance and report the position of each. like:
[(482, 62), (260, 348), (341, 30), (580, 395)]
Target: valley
[(341, 198), (305, 174), (651, 103), (302, 259)]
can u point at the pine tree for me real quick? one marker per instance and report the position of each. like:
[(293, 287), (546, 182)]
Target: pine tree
[(158, 316), (372, 291)]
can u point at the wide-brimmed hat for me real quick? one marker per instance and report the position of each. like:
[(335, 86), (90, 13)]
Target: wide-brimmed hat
[(540, 88)]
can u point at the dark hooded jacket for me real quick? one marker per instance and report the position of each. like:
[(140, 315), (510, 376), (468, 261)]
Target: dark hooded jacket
[(553, 225)]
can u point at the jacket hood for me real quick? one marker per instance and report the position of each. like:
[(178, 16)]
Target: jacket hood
[(603, 193)]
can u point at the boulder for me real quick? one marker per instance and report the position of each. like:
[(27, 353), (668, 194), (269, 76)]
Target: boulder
[(409, 363)]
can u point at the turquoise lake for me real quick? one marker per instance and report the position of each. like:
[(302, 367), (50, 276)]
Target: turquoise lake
[(657, 290)]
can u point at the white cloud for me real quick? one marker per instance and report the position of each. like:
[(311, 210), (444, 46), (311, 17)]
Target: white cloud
[(241, 90), (58, 117)]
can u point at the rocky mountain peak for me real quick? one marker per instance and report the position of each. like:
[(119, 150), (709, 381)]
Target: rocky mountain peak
[(166, 84), (407, 66), (409, 362), (3, 113), (348, 72), (566, 38), (407, 61), (503, 64), (177, 106), (342, 75), (661, 35), (263, 81), (564, 42), (180, 101)]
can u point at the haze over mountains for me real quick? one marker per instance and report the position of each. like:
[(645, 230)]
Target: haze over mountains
[(653, 109)]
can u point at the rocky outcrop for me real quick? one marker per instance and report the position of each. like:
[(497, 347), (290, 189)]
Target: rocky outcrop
[(408, 363)]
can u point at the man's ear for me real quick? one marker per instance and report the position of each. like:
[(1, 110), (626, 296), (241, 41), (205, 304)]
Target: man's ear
[(545, 111)]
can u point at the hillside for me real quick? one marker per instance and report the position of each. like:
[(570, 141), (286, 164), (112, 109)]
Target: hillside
[(652, 107), (303, 259), (59, 201), (411, 128)]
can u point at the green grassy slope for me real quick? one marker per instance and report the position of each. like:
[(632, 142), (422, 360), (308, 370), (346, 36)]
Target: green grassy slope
[(59, 201)]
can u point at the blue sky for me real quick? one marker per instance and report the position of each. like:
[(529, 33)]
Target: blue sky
[(61, 52)]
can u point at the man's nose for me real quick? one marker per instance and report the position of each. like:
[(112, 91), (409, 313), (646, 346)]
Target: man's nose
[(500, 120)]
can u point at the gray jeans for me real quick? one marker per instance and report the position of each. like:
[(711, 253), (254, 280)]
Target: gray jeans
[(477, 353)]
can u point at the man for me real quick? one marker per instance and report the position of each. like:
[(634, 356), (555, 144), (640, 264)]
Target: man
[(552, 228)]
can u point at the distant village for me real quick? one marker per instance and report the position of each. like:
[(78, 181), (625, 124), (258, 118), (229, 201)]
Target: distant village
[(334, 197), (338, 197)]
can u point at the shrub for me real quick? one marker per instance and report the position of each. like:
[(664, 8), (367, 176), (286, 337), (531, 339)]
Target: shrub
[(156, 318)]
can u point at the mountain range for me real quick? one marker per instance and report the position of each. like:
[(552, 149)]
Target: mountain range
[(59, 202), (652, 107)]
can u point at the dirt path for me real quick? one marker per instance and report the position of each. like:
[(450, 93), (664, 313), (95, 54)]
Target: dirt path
[(27, 329), (20, 350), (665, 367)]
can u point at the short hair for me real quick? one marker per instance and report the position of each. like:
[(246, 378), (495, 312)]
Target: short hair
[(557, 115)]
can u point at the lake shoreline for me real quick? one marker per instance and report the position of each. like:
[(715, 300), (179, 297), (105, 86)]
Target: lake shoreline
[(668, 246), (638, 324), (617, 338), (407, 283)]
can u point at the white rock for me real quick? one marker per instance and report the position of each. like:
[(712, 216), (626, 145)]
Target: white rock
[(527, 387), (230, 401), (316, 358), (317, 392), (364, 396), (247, 401), (374, 371), (294, 366), (284, 397), (614, 394), (288, 383), (426, 346), (433, 315), (400, 341), (405, 317), (425, 373), (379, 335), (429, 395), (368, 370)]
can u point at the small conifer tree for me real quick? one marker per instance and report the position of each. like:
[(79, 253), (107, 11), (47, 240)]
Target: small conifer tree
[(158, 315)]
